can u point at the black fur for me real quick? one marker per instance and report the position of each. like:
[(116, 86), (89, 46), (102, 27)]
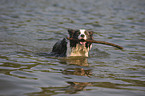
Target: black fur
[(59, 49)]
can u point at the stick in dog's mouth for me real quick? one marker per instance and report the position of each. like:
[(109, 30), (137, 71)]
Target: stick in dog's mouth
[(82, 41), (99, 42)]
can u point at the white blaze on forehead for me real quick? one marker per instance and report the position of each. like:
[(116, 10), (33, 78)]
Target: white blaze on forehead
[(82, 31)]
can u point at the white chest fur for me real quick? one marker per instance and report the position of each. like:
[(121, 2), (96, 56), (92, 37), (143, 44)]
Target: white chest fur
[(79, 50)]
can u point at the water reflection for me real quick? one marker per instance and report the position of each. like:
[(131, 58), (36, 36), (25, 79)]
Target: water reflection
[(76, 69)]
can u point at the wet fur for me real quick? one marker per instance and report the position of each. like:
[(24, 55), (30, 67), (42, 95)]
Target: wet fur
[(66, 47)]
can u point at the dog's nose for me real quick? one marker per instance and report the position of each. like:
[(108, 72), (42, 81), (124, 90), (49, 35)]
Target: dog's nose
[(82, 35)]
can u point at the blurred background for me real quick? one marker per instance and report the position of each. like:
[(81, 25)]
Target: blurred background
[(28, 27)]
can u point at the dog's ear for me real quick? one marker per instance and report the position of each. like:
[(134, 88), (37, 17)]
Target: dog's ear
[(91, 34), (71, 32)]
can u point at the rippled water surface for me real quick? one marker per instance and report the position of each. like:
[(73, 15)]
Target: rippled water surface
[(29, 27)]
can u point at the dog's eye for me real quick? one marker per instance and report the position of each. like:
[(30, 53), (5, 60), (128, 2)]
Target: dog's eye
[(77, 32)]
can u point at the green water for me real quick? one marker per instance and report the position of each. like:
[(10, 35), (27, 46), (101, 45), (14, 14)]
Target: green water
[(28, 27)]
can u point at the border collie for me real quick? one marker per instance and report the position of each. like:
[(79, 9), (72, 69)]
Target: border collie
[(66, 47)]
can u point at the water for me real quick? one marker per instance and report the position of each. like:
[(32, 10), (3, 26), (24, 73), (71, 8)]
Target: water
[(28, 27)]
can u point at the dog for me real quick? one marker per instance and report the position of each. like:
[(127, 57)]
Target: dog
[(65, 48)]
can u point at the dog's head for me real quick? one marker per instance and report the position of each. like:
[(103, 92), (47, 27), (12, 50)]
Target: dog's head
[(80, 34)]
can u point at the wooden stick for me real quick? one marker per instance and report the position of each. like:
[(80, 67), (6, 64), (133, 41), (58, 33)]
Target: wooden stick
[(99, 42)]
